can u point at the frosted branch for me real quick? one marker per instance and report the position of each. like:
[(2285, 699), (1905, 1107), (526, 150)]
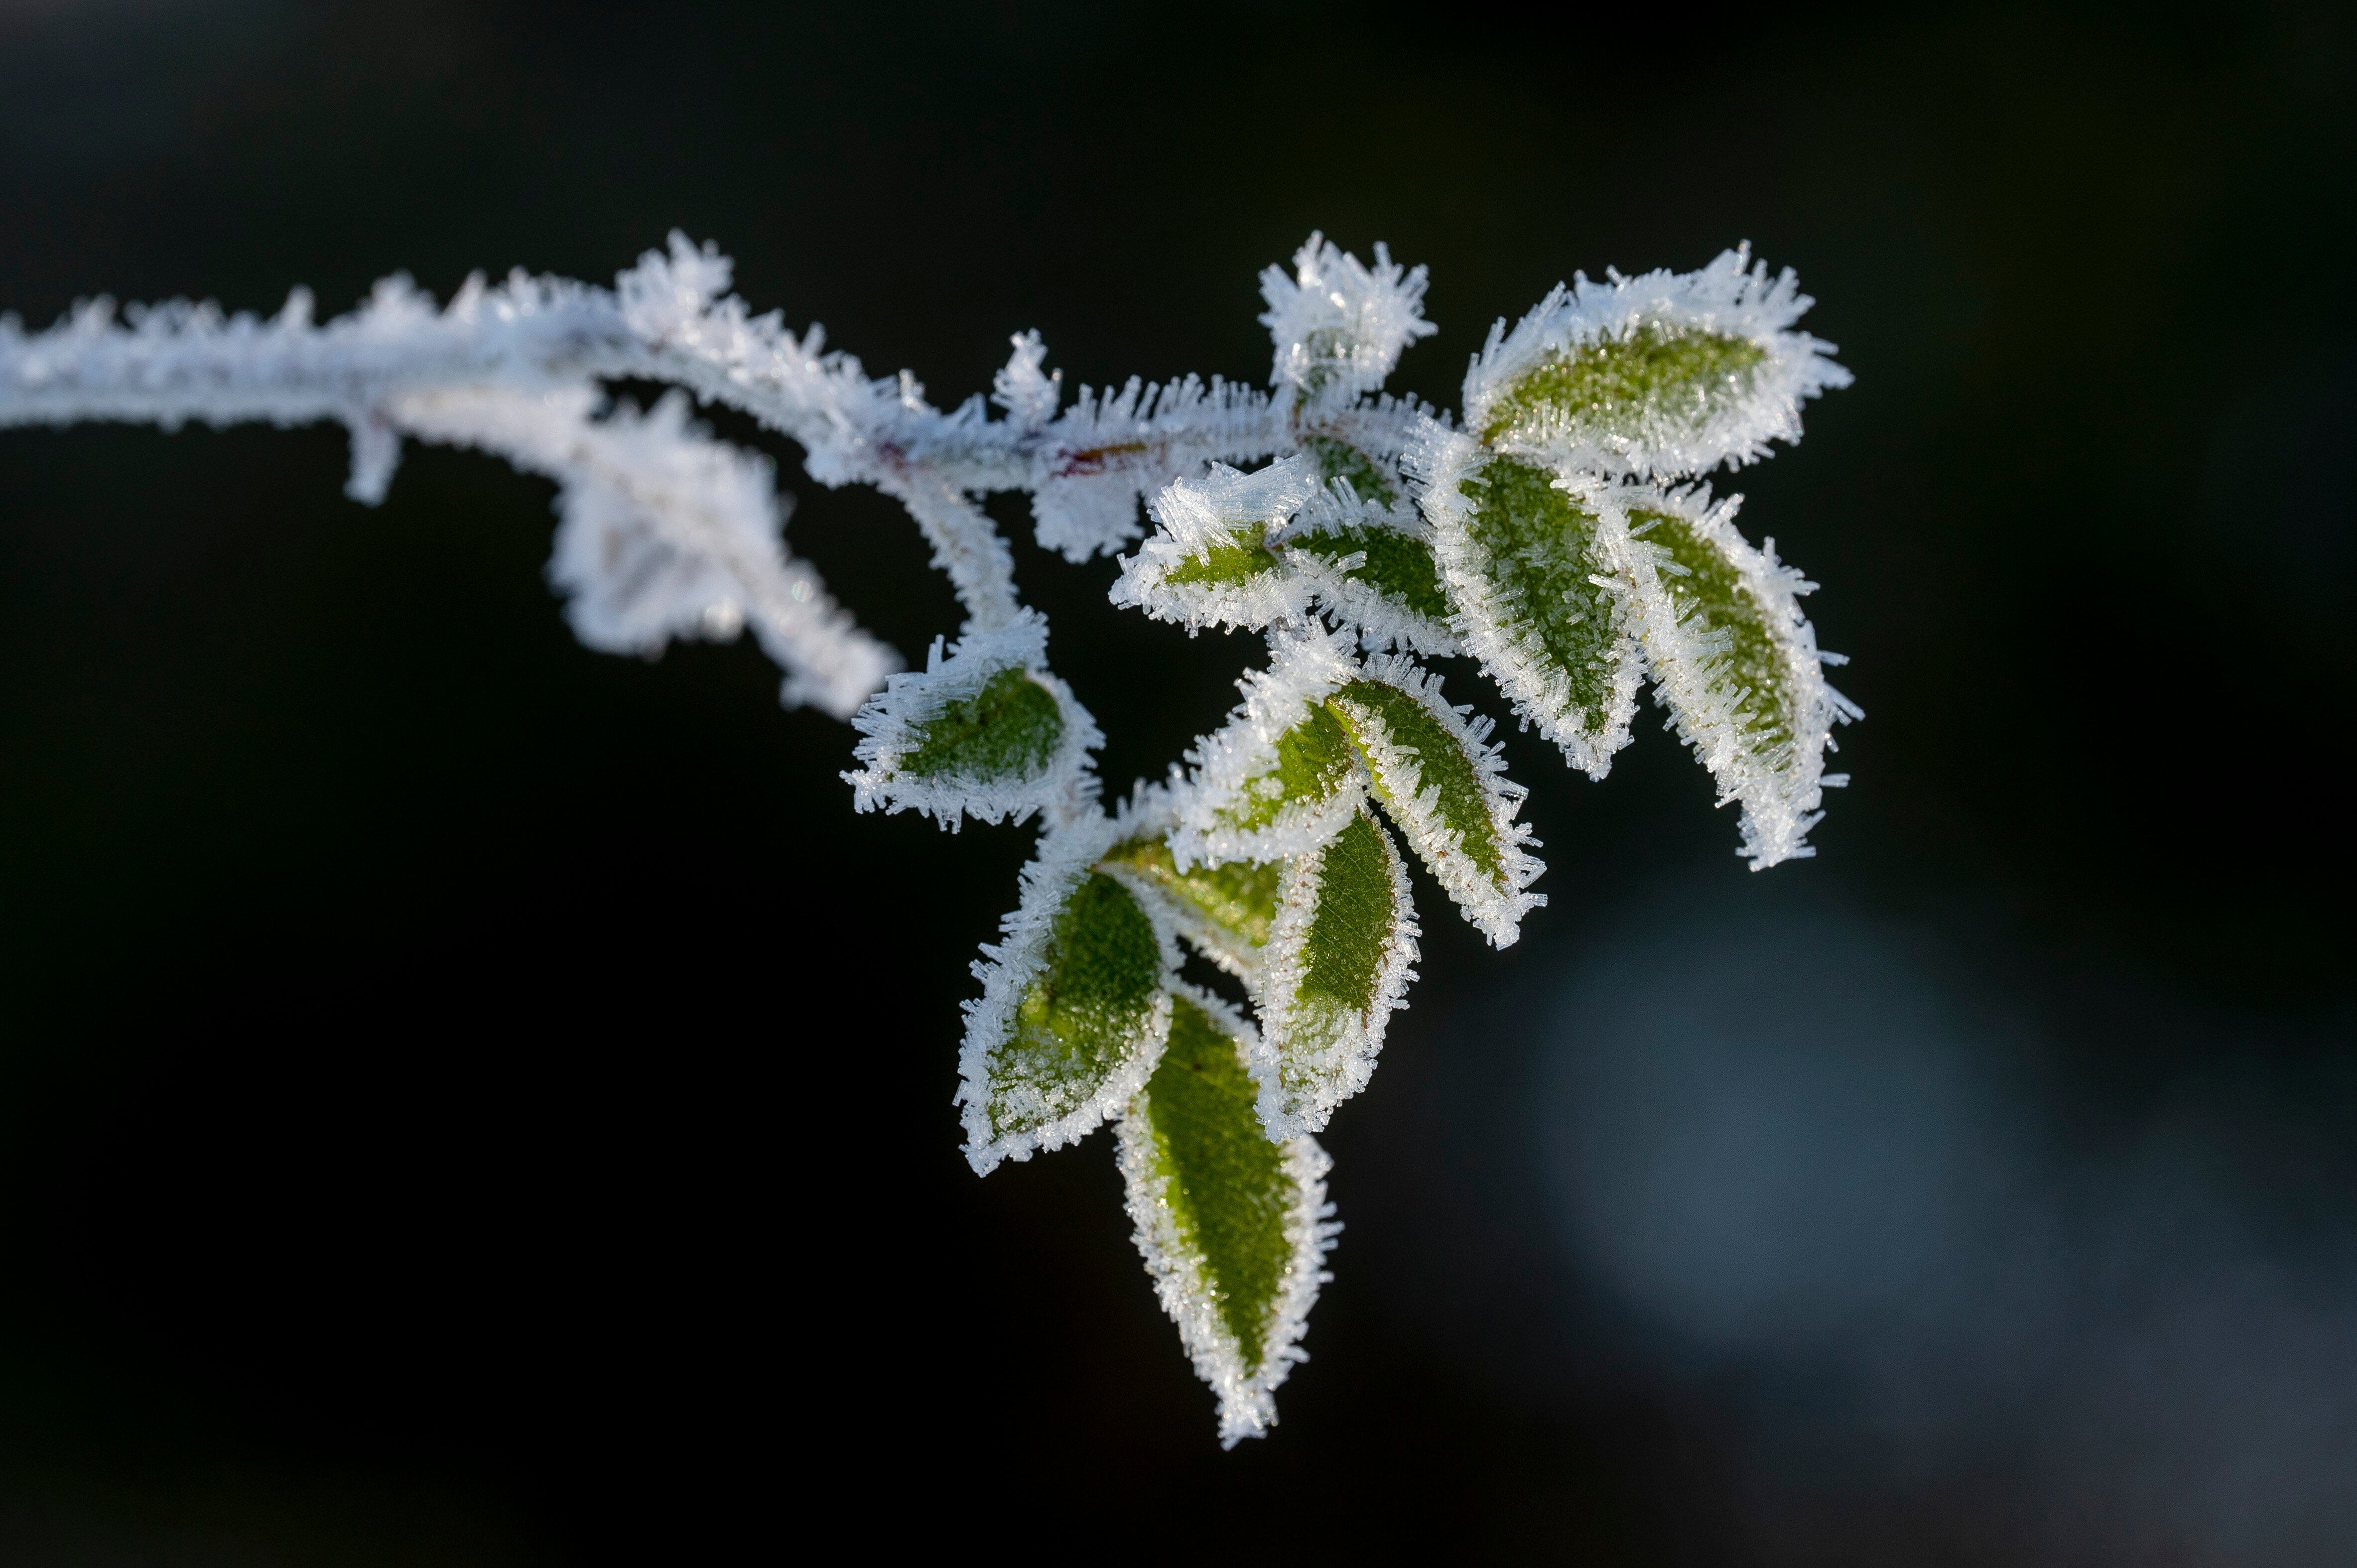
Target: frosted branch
[(1544, 536), (665, 533)]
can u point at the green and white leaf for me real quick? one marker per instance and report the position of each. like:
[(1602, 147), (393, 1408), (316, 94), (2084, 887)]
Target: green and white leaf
[(1371, 564), (1234, 1228), (1338, 962), (1737, 664), (1657, 377), (1533, 568), (1446, 788), (1208, 563), (1072, 1013), (1224, 912), (1282, 776), (986, 732)]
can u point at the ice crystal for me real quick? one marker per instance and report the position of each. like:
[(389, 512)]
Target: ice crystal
[(1544, 536)]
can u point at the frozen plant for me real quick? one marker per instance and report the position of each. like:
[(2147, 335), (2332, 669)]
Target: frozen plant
[(1559, 534)]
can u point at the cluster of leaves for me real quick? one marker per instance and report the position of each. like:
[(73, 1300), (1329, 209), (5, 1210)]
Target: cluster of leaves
[(1559, 537)]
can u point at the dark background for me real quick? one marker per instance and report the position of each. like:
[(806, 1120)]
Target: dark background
[(468, 1100)]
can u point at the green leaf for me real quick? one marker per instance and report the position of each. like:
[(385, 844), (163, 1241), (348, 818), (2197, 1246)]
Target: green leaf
[(986, 732), (1737, 665), (1336, 967), (1711, 597), (1007, 732), (1225, 911), (1240, 560), (1397, 565), (1657, 383), (1408, 752), (1071, 1016), (1446, 791), (1229, 1222), (1281, 776), (1652, 377), (1526, 563), (1315, 761)]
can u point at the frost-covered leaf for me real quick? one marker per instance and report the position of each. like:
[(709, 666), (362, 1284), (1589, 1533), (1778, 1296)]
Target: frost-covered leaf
[(1447, 788), (986, 732), (1072, 1013), (1233, 1227), (1531, 568), (1208, 561), (1371, 566), (1737, 664), (1339, 325), (1309, 772), (1224, 911), (1659, 376), (1282, 776), (1336, 967)]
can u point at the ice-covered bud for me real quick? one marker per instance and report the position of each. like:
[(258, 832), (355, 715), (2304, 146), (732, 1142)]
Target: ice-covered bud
[(666, 294), (1023, 386), (1339, 325)]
